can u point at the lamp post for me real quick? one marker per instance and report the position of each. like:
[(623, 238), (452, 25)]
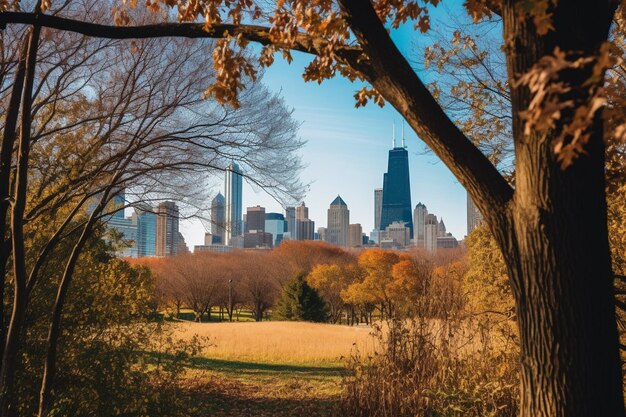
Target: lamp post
[(230, 300)]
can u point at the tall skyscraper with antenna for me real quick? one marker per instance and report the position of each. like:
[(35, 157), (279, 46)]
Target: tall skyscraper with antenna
[(233, 206), (397, 187)]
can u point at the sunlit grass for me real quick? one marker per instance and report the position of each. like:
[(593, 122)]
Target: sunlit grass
[(279, 342)]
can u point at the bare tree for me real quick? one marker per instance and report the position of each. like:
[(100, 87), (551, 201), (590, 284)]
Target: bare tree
[(104, 115)]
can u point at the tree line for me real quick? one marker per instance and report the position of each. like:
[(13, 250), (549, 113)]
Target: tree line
[(355, 286)]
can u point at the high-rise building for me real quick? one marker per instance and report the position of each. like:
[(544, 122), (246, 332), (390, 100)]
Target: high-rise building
[(447, 242), (257, 239), (474, 216), (167, 229), (431, 230), (233, 184), (305, 229), (419, 218), (441, 228), (146, 221), (276, 225), (302, 212), (375, 236), (378, 207), (399, 233), (122, 230), (397, 189), (321, 233), (355, 235), (119, 201), (126, 245), (338, 222), (217, 219), (290, 218), (255, 219), (181, 245)]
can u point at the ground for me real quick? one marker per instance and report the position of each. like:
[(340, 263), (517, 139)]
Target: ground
[(270, 368)]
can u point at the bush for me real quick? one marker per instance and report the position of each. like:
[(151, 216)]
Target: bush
[(299, 302), (421, 370)]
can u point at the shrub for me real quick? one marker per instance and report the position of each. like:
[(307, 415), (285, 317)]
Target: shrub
[(422, 370), (300, 302)]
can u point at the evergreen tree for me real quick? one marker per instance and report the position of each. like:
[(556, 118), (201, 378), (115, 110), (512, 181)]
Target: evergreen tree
[(299, 302)]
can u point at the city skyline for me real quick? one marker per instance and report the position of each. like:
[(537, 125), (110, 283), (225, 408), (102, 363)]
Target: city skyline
[(347, 148), (451, 206)]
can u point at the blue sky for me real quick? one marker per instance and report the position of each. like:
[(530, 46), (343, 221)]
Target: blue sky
[(346, 151)]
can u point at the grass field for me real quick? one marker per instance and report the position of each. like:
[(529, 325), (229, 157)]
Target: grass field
[(270, 368)]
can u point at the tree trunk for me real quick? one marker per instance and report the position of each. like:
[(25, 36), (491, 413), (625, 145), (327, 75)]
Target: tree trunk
[(552, 228), (8, 394), (6, 157), (557, 249)]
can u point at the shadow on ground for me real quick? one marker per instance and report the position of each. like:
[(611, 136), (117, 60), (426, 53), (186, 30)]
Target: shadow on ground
[(257, 368), (223, 388)]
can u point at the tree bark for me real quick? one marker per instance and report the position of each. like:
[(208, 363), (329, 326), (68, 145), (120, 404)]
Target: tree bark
[(8, 394), (561, 272), (6, 157)]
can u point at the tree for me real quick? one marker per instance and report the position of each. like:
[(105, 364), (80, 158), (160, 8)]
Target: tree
[(98, 116), (329, 280), (256, 275), (559, 267), (300, 302)]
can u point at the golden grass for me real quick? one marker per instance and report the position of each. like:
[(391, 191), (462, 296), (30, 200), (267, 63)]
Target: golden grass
[(279, 342)]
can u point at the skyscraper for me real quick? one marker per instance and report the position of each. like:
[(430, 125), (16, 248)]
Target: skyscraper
[(338, 222), (146, 221), (255, 219), (305, 229), (167, 229), (355, 235), (302, 212), (217, 219), (397, 189), (378, 207), (419, 219), (276, 225), (441, 228), (430, 233), (233, 203), (474, 216), (119, 201), (290, 218), (398, 233), (126, 229)]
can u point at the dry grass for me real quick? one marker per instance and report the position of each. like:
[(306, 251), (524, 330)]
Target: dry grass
[(279, 342)]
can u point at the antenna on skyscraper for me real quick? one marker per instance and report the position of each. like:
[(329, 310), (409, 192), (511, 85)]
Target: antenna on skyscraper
[(393, 139), (403, 134)]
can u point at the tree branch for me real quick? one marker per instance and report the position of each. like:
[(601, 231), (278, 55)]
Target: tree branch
[(398, 83), (254, 33)]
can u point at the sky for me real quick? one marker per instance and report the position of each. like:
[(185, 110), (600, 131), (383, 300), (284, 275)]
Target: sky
[(347, 149)]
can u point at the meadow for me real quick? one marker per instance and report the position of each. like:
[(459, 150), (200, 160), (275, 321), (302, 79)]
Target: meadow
[(270, 368)]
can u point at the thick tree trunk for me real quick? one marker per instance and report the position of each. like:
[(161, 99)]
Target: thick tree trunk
[(557, 251), (552, 229)]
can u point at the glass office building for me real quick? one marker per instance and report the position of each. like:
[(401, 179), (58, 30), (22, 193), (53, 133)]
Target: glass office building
[(396, 205)]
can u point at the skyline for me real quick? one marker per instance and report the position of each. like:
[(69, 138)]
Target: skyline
[(347, 150)]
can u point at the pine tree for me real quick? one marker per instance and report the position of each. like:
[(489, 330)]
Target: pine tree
[(299, 302)]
